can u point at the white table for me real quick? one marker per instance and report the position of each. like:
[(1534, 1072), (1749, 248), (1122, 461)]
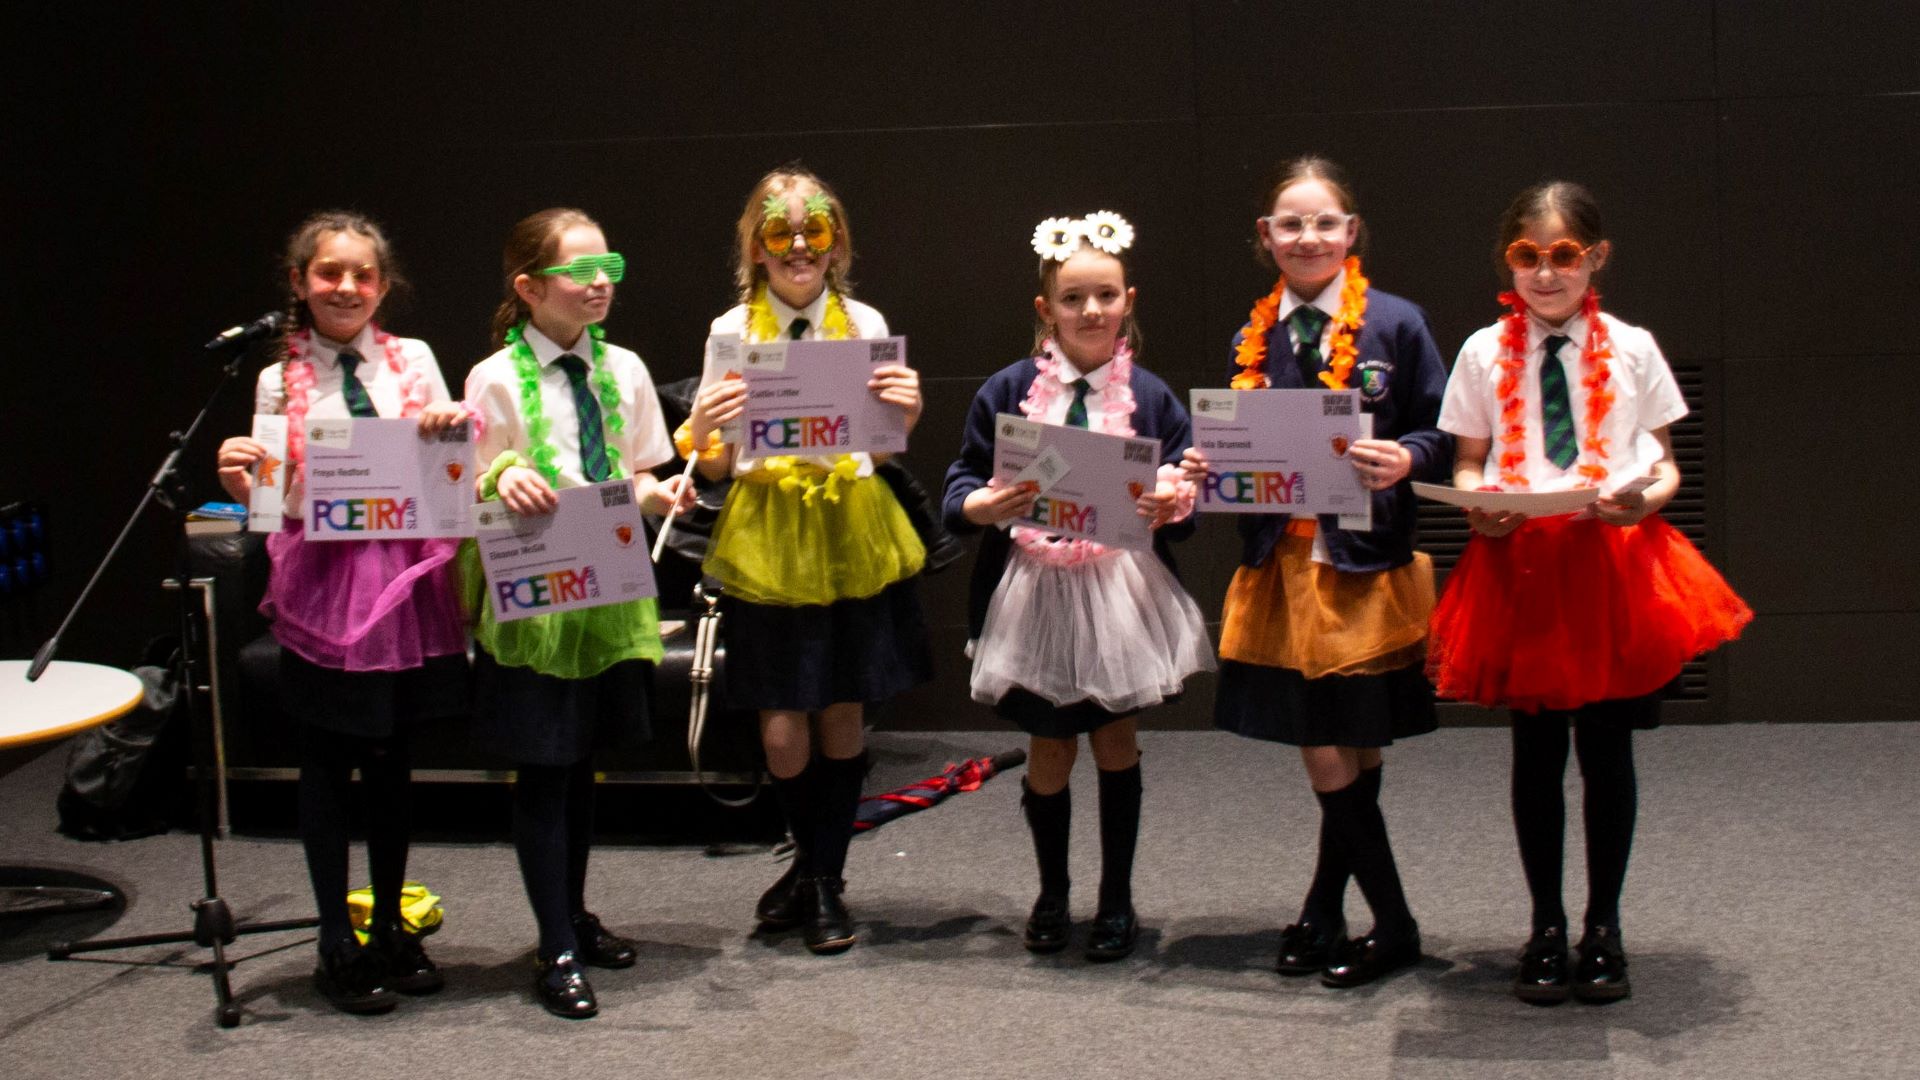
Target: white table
[(67, 699)]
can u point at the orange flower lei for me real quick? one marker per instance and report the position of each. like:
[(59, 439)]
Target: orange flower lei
[(1251, 353), (1595, 374)]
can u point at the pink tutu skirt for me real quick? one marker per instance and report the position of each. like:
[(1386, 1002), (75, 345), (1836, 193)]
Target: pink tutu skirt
[(363, 605), (1562, 613)]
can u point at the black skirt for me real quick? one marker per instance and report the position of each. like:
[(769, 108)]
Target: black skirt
[(372, 704), (812, 656), (1281, 705), (534, 719), (1037, 716)]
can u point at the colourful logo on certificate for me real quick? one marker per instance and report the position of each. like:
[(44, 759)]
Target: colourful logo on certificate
[(1256, 488), (798, 433), (362, 515), (1065, 514), (567, 586)]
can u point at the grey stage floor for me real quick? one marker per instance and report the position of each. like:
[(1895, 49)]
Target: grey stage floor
[(1771, 915)]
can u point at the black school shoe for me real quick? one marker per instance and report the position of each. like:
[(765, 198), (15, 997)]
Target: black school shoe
[(351, 979), (1306, 948), (778, 908), (1050, 925), (408, 969), (1113, 935), (1542, 979), (1360, 961), (828, 925), (561, 986), (1601, 974), (598, 946)]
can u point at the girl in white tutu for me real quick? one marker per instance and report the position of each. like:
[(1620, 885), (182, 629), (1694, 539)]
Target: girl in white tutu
[(1071, 637)]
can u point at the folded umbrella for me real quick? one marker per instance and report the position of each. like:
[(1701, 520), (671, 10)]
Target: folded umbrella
[(877, 810)]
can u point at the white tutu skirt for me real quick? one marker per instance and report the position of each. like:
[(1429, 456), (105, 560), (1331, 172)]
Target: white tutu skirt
[(1116, 630)]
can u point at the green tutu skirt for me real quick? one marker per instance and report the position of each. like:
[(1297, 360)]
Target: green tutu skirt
[(810, 536), (576, 644)]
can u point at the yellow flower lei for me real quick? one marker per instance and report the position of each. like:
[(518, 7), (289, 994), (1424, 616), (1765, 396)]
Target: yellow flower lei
[(1251, 353)]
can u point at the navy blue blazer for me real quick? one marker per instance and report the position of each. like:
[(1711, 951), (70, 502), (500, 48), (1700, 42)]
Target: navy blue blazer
[(1157, 414), (1401, 380)]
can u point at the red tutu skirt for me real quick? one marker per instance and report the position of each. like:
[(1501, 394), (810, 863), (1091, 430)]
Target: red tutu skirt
[(1562, 613)]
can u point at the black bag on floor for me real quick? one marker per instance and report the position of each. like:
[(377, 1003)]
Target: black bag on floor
[(115, 789)]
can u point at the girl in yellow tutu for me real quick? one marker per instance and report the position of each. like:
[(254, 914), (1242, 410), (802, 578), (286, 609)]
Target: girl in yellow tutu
[(816, 558)]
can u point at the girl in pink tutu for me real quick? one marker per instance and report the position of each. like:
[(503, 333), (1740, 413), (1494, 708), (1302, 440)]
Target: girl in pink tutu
[(371, 634), (1577, 620), (1071, 637)]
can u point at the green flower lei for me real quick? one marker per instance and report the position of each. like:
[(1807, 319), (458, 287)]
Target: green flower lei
[(533, 410)]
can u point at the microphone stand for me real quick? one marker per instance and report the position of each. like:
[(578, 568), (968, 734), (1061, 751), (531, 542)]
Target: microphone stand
[(213, 922)]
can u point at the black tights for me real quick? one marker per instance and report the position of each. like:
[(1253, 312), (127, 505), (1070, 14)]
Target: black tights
[(552, 832), (327, 761), (1604, 747)]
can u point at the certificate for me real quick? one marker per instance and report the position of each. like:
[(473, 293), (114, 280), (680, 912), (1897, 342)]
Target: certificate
[(371, 479), (590, 551), (1088, 480), (1282, 451), (266, 505), (811, 397), (1530, 503)]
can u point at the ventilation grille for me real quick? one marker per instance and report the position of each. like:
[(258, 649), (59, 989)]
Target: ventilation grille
[(1443, 529)]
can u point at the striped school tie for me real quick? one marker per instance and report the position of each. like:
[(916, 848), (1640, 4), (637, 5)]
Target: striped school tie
[(351, 388), (593, 440), (1556, 405)]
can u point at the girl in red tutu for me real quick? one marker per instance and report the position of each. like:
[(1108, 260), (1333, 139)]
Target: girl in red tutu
[(1578, 620)]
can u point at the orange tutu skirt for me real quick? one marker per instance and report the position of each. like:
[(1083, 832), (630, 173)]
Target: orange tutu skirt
[(1307, 616), (1562, 613)]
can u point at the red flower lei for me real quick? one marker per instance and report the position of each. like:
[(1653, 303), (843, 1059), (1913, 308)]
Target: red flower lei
[(1595, 375), (1251, 353)]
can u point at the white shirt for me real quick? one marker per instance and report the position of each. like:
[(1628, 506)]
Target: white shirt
[(867, 323), (327, 402), (1645, 398), (493, 387)]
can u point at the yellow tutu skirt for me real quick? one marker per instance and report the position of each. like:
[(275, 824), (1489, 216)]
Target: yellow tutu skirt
[(808, 535), (1317, 620)]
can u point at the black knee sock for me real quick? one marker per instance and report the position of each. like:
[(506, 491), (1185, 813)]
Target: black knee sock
[(580, 799), (795, 794), (540, 841), (1362, 830), (1605, 750), (836, 798), (1327, 895), (326, 770), (1050, 819), (1119, 834), (1539, 810), (385, 773)]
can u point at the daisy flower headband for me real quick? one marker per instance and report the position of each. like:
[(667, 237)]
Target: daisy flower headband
[(1058, 238)]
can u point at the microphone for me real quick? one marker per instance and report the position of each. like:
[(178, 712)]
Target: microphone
[(247, 333)]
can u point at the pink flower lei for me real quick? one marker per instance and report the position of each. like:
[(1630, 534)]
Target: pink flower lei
[(298, 378), (1116, 418)]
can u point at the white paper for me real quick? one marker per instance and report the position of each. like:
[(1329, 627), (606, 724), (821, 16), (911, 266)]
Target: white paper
[(811, 398), (590, 551), (374, 479), (1047, 470), (1094, 499), (266, 506), (722, 363), (1530, 503), (1282, 451)]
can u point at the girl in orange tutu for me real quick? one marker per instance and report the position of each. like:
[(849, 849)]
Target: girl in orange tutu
[(1576, 620), (1323, 635)]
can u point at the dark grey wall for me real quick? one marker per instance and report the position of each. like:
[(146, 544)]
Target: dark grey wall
[(1755, 160)]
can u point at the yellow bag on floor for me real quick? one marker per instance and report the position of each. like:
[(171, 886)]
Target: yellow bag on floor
[(420, 911)]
